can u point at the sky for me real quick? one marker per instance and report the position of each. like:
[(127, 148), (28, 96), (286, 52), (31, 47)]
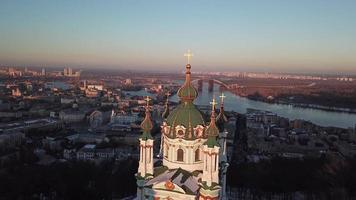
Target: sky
[(251, 35)]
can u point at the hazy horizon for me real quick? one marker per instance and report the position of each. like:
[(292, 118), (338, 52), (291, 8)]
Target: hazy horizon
[(263, 36), (178, 69)]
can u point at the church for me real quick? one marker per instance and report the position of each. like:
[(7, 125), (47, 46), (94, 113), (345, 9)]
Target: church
[(194, 161)]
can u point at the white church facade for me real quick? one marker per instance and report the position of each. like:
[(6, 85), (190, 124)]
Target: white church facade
[(193, 152)]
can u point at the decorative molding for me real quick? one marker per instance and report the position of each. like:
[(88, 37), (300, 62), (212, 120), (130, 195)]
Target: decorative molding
[(180, 131), (199, 131)]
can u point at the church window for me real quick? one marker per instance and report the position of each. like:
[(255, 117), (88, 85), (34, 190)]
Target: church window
[(215, 163), (180, 154), (197, 155)]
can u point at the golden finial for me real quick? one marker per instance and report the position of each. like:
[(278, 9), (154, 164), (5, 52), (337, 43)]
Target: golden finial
[(148, 99), (188, 55), (213, 103), (222, 97)]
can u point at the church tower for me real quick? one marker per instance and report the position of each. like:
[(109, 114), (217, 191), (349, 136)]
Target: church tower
[(210, 180), (145, 167), (165, 114), (189, 152), (221, 121)]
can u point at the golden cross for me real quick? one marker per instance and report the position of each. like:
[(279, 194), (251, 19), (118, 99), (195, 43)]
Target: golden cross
[(222, 96), (213, 103), (188, 55), (148, 99)]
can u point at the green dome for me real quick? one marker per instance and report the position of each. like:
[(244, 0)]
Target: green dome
[(187, 92), (187, 115)]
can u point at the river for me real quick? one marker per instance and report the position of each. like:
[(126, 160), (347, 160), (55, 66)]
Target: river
[(240, 104)]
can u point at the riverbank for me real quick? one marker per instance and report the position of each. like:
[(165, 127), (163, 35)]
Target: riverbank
[(301, 105), (320, 107)]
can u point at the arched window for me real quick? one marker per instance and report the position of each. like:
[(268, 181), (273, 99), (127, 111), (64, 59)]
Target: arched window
[(197, 155), (180, 155), (215, 163)]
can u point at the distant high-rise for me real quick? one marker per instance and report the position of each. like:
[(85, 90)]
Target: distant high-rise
[(69, 72), (65, 72), (43, 72), (77, 73)]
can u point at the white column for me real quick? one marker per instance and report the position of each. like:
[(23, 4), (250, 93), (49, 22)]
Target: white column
[(142, 164), (146, 161), (208, 180), (211, 164), (204, 163), (149, 162)]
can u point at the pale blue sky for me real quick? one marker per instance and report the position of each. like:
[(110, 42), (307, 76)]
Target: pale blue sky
[(252, 35)]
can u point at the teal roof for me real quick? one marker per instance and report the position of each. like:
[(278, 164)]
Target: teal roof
[(221, 119), (212, 142), (212, 132)]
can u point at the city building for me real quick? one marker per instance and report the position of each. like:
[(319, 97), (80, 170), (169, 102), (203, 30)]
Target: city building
[(87, 152), (11, 139), (95, 87), (90, 152), (74, 114), (54, 144), (123, 118), (193, 161), (67, 100), (71, 115), (87, 138), (16, 92), (43, 72), (91, 93), (68, 71), (96, 119)]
